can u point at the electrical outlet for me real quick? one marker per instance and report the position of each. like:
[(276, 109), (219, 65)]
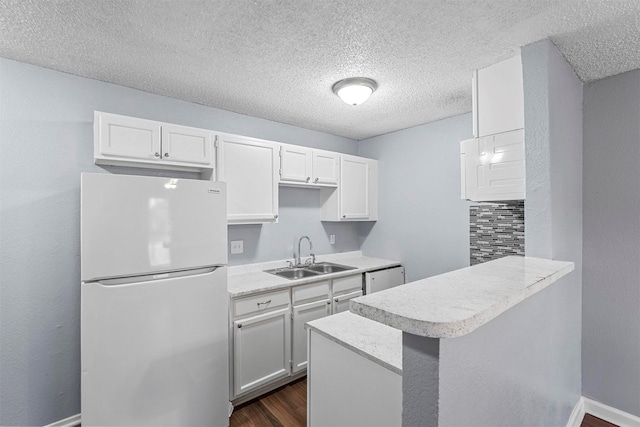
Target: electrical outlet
[(332, 239), (237, 246)]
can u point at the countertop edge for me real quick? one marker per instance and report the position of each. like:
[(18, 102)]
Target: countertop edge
[(462, 327), (355, 349)]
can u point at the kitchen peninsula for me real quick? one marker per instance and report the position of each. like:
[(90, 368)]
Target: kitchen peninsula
[(440, 319)]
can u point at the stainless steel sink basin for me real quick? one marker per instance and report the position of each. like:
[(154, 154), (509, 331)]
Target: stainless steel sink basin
[(309, 271), (327, 267), (294, 273)]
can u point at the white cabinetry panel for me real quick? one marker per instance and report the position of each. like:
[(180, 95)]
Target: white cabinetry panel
[(249, 167), (356, 198), (262, 349), (295, 163), (127, 137), (129, 141), (494, 167), (187, 145), (341, 302), (325, 167), (302, 314), (499, 98)]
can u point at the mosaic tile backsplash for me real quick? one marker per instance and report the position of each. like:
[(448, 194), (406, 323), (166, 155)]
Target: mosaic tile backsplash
[(497, 230)]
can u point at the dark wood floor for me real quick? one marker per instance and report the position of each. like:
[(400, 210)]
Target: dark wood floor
[(284, 407), (591, 421), (287, 407)]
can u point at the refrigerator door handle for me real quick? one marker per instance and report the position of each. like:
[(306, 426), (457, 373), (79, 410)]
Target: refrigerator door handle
[(157, 276)]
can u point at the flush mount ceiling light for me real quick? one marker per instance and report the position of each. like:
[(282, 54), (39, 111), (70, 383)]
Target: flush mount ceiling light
[(355, 90)]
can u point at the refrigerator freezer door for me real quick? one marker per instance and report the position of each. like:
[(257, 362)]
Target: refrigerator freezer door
[(134, 225), (156, 353)]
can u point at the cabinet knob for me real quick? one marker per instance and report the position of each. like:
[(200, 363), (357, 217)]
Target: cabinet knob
[(308, 178), (275, 216), (344, 216), (328, 302), (336, 300), (239, 326), (316, 180), (157, 154), (166, 154)]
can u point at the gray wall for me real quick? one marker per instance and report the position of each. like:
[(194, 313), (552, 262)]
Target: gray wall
[(523, 368), (611, 290), (46, 141), (422, 222)]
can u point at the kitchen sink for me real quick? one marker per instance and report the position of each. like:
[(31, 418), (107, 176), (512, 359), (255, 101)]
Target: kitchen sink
[(293, 273), (327, 267)]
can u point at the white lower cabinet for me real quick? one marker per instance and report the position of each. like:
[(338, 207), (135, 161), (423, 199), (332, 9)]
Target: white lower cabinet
[(269, 339), (341, 302), (345, 388), (302, 314), (262, 349)]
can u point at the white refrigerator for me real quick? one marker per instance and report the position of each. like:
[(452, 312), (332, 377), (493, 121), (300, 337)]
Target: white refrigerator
[(154, 335)]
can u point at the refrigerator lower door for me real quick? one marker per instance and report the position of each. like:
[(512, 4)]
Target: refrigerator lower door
[(155, 353)]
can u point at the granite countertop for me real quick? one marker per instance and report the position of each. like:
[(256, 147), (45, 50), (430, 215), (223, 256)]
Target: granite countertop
[(251, 279), (377, 342), (456, 303)]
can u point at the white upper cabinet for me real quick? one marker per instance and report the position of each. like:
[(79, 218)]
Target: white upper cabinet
[(129, 141), (493, 167), (356, 198), (249, 166), (493, 164), (296, 164), (325, 167), (498, 98), (186, 145), (302, 166)]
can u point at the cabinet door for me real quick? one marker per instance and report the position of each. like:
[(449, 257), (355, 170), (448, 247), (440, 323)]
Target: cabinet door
[(494, 167), (186, 145), (354, 188), (249, 167), (325, 167), (341, 303), (499, 98), (301, 315), (295, 164), (127, 137), (261, 350)]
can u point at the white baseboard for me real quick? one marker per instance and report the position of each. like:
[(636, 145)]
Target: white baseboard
[(610, 414), (72, 421), (602, 411), (575, 420)]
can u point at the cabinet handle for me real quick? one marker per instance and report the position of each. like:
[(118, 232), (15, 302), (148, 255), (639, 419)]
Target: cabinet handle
[(166, 154), (262, 303), (316, 180), (239, 325), (157, 154)]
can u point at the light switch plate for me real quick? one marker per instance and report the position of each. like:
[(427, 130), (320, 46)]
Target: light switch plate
[(237, 247), (332, 239)]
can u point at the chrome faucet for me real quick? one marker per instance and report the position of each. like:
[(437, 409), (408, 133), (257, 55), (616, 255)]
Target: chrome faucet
[(298, 263)]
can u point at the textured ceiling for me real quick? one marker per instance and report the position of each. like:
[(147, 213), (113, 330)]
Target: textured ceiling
[(278, 59)]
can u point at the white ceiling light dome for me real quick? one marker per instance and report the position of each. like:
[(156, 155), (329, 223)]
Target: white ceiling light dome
[(355, 90)]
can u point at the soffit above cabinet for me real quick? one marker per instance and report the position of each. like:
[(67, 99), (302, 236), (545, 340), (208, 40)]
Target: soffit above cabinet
[(278, 60)]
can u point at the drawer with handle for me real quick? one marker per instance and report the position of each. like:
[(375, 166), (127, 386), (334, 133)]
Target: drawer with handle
[(260, 303)]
